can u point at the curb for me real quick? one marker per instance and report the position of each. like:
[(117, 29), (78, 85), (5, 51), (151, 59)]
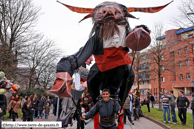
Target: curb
[(157, 122)]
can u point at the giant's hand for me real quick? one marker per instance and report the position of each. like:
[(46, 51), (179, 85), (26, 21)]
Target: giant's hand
[(120, 112)]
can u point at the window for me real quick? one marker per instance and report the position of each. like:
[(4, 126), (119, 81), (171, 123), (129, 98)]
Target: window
[(179, 51), (187, 62), (186, 49), (148, 82), (135, 75), (144, 82), (162, 57), (193, 47), (155, 80), (162, 68), (180, 64), (193, 61), (162, 79), (181, 77), (154, 60), (135, 83), (188, 76), (134, 60), (134, 67)]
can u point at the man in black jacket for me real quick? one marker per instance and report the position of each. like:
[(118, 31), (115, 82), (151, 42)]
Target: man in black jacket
[(182, 107), (152, 100), (107, 111)]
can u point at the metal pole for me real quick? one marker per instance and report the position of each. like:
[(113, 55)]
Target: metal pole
[(57, 108), (190, 13)]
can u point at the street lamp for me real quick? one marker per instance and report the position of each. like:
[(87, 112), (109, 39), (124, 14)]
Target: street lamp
[(190, 13)]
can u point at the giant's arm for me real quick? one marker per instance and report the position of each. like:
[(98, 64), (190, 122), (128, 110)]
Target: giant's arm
[(67, 66)]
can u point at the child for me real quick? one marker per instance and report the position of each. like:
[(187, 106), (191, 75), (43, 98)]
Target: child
[(47, 110)]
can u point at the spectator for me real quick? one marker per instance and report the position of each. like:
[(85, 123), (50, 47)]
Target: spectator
[(126, 110), (47, 110), (3, 106), (86, 102), (192, 107), (55, 105), (26, 110), (152, 100), (15, 105), (23, 100), (148, 101), (10, 116), (182, 107), (78, 113), (172, 105), (165, 106), (41, 104), (48, 100), (135, 107)]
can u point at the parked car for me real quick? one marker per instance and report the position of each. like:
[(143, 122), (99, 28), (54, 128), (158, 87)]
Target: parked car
[(143, 102)]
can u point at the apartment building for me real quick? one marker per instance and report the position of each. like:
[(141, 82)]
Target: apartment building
[(176, 64)]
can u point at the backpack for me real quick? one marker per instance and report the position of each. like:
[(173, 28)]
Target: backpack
[(100, 102)]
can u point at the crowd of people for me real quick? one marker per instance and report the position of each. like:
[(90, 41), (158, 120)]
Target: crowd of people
[(31, 106)]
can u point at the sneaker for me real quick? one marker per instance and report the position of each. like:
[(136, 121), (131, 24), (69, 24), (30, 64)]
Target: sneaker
[(184, 124), (164, 121), (169, 122), (174, 122), (132, 123)]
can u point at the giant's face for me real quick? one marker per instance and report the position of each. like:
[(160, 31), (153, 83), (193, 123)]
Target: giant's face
[(111, 10)]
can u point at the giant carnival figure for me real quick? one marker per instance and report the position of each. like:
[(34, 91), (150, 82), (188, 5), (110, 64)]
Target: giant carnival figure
[(109, 42)]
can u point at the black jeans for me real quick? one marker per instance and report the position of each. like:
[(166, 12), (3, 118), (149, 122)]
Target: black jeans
[(148, 105), (14, 115), (127, 113), (136, 113), (80, 123), (182, 111)]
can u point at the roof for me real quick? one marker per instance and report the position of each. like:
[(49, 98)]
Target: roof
[(178, 32)]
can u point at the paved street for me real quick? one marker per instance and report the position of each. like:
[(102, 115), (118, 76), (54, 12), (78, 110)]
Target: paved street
[(142, 123)]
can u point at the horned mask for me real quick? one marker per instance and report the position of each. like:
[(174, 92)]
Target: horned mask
[(111, 10)]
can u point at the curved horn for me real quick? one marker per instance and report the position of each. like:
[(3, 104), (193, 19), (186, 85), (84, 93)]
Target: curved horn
[(78, 9), (147, 10), (87, 16)]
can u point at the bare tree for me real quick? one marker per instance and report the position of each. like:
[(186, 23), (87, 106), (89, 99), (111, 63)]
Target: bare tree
[(17, 18), (161, 61), (184, 19), (41, 59)]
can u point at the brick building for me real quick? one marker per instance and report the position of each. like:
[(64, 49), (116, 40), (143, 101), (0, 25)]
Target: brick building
[(176, 64)]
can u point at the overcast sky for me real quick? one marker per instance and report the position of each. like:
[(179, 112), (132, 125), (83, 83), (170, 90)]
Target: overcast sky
[(61, 25)]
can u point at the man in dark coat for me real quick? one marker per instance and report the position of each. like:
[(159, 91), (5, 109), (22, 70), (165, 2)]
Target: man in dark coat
[(107, 111), (3, 106)]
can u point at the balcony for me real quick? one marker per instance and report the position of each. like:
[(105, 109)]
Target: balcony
[(141, 69), (142, 61), (144, 77)]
